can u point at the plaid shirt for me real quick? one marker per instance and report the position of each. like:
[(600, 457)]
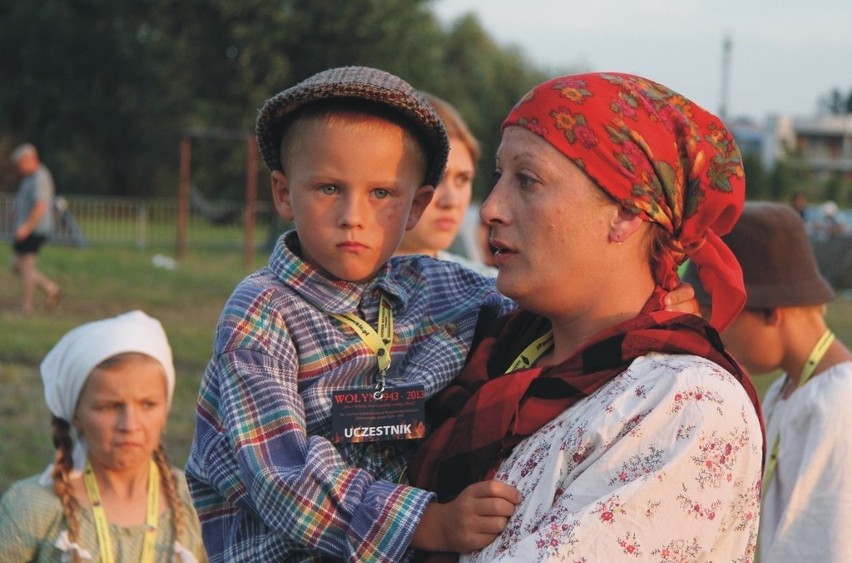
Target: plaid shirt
[(266, 481)]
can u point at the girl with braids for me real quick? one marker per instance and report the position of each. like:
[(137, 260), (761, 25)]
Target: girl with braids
[(112, 496)]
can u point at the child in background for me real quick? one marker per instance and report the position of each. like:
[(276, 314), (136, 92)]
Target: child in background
[(111, 494), (445, 216), (280, 467), (807, 485)]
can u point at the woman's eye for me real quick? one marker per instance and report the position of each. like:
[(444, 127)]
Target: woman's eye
[(463, 179), (525, 181), (328, 189)]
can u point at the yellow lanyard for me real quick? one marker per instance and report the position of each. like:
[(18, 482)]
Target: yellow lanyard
[(814, 358), (533, 352), (102, 525), (379, 342)]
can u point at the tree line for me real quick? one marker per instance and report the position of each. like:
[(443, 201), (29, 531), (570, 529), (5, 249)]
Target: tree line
[(106, 88)]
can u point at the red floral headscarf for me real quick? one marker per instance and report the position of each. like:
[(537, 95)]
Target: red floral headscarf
[(662, 157)]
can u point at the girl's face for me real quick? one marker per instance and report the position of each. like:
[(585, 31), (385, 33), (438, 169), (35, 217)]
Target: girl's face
[(121, 412), (440, 223)]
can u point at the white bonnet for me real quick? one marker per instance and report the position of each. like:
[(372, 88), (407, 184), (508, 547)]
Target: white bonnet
[(67, 366)]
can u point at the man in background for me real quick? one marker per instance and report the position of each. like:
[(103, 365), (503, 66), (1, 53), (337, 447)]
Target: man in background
[(33, 225)]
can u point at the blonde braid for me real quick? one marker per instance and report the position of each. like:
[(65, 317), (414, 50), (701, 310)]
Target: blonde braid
[(167, 477), (62, 467)]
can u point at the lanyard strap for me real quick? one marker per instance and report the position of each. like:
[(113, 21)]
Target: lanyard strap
[(533, 352), (814, 358), (102, 525), (379, 342)]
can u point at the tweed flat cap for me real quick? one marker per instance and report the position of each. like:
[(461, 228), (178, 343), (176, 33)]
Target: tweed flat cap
[(359, 83), (779, 266)]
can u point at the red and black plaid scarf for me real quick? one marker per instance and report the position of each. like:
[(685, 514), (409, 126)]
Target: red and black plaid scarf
[(485, 412)]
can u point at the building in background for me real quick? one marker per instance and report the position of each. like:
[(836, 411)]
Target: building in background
[(821, 144)]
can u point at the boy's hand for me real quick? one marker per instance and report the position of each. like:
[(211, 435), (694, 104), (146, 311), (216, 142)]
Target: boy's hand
[(470, 521), (682, 300)]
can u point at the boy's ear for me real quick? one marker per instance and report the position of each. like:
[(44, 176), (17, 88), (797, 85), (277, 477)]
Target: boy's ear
[(281, 195), (772, 316), (422, 197), (623, 225)]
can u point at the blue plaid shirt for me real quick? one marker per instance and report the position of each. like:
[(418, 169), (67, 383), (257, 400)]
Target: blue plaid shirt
[(266, 481)]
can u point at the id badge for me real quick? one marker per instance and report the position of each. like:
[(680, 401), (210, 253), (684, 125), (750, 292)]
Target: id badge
[(358, 416)]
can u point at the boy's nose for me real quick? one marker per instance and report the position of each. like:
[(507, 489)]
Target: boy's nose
[(351, 212)]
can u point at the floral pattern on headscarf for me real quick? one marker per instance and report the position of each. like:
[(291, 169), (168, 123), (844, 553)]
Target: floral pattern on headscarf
[(660, 156)]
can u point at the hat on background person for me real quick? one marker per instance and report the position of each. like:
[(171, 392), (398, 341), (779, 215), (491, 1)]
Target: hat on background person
[(777, 259), (355, 83)]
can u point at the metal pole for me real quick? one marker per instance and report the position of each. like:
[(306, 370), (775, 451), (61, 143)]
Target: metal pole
[(183, 195), (251, 200)]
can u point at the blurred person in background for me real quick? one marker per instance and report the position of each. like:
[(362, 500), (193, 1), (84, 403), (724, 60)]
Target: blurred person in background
[(807, 485), (112, 495), (449, 209), (33, 226)]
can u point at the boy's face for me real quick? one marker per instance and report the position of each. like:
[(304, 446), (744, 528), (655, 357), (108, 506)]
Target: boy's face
[(352, 187)]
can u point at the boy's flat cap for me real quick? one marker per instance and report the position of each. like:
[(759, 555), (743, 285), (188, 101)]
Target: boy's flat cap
[(360, 83)]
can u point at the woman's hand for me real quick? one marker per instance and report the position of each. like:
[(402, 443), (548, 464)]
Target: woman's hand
[(470, 521)]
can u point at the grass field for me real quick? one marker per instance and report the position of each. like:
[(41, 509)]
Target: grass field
[(104, 281)]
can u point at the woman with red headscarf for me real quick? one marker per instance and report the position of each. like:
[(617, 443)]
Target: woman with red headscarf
[(629, 430)]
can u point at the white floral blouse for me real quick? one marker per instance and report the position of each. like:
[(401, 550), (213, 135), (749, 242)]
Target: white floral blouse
[(661, 464)]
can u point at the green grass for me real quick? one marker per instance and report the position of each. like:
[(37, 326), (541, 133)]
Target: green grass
[(104, 281)]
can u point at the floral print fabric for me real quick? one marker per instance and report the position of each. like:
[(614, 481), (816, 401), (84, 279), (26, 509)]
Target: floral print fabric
[(661, 464)]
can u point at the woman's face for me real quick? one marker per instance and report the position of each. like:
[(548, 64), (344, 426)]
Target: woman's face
[(440, 223), (550, 225), (122, 412)]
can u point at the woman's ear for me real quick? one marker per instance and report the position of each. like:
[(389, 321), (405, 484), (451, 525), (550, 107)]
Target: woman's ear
[(623, 225)]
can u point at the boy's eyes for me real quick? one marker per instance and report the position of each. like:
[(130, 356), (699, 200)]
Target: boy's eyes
[(331, 189)]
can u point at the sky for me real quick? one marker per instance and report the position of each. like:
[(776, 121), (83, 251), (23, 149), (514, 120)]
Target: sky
[(785, 54)]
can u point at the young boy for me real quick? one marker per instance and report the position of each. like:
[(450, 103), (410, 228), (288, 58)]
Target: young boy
[(309, 407), (807, 486)]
